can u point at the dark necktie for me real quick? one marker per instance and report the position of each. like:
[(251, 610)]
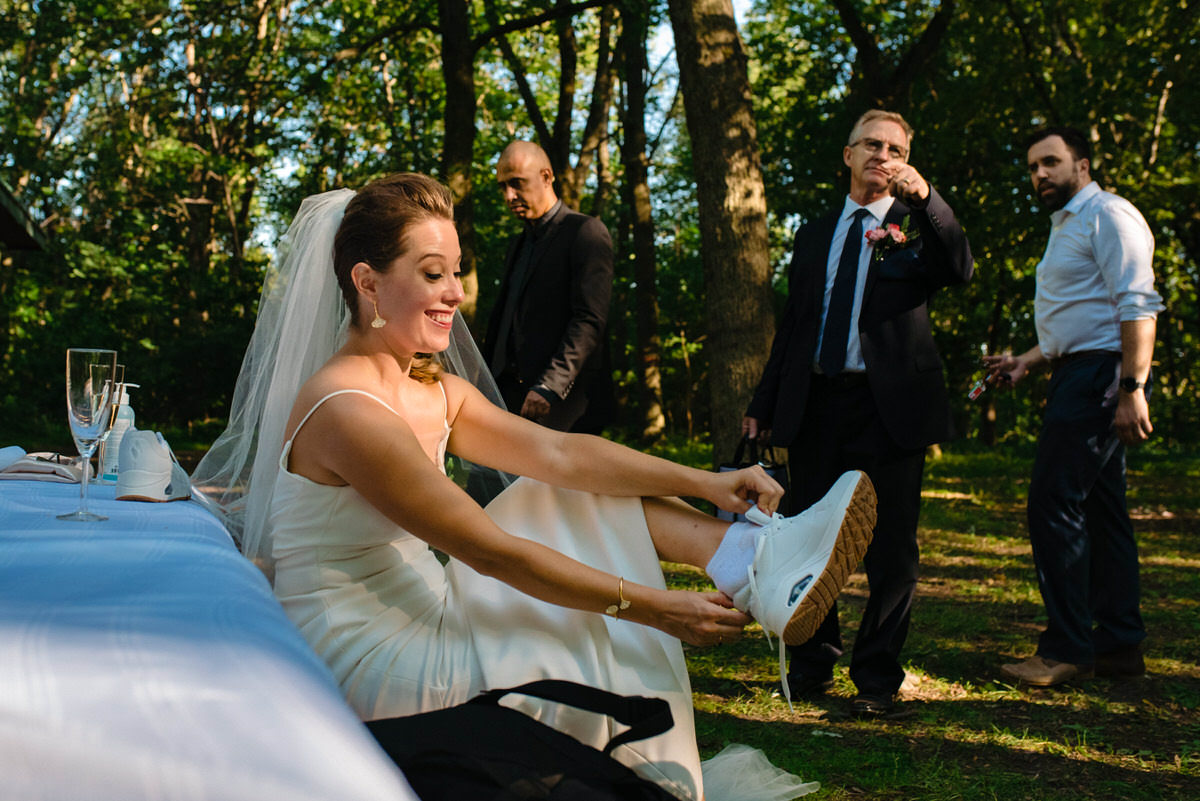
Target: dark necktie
[(841, 301)]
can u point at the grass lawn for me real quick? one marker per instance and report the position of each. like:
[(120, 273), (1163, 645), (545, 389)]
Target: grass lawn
[(963, 732)]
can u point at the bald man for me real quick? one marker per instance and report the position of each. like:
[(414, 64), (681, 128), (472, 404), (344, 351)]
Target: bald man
[(545, 341)]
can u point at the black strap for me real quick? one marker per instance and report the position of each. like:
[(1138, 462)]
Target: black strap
[(645, 717), (768, 457), (741, 450)]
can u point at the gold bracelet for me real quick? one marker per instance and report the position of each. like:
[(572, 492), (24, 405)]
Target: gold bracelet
[(616, 609)]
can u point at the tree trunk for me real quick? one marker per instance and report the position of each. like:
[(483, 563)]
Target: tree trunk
[(595, 131), (458, 69), (732, 206), (604, 181), (559, 146), (637, 194)]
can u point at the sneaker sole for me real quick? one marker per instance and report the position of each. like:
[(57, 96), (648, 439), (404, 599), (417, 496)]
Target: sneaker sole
[(853, 537)]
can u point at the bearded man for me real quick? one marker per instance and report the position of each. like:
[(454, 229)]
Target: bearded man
[(1095, 312)]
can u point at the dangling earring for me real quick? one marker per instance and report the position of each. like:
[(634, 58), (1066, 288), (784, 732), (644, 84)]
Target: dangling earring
[(378, 322)]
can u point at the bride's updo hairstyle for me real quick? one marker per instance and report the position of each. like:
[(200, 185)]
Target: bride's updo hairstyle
[(374, 230)]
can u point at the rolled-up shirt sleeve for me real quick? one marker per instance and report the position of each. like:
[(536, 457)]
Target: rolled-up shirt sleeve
[(1124, 250)]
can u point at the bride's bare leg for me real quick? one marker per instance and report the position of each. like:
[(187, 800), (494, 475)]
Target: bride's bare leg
[(682, 533)]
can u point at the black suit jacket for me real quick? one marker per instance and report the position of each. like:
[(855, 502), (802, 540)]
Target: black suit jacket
[(904, 369), (557, 336)]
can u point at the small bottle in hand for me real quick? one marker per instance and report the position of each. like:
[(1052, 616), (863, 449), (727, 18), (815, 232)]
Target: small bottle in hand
[(985, 379)]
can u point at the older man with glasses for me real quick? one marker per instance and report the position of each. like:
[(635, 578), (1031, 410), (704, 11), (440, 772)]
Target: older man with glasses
[(854, 381)]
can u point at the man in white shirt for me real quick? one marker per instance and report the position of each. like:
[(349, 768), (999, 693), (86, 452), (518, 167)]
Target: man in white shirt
[(1095, 312)]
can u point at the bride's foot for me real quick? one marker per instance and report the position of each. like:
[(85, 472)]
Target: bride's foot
[(801, 562)]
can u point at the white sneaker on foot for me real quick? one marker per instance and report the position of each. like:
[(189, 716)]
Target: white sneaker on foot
[(801, 562), (148, 470)]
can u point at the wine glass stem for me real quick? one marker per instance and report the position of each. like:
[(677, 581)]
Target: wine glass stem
[(83, 484)]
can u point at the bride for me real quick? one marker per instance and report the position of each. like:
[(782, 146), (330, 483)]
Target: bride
[(334, 463)]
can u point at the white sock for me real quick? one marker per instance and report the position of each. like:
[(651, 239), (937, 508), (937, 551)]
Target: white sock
[(727, 568)]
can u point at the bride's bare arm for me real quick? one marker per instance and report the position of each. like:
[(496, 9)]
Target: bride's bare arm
[(363, 444), (488, 435)]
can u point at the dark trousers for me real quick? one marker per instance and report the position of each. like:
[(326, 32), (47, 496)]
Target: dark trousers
[(1079, 527), (842, 431)]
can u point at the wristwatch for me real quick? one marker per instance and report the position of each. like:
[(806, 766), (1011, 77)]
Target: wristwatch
[(1131, 384), (545, 392)]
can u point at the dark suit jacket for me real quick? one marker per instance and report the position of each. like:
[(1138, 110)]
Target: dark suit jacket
[(904, 369), (558, 326)]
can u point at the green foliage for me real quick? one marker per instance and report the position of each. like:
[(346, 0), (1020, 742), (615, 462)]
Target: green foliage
[(165, 146), (1000, 70)]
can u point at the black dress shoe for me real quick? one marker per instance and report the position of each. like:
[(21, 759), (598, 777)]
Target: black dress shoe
[(867, 705), (1123, 663), (809, 686)]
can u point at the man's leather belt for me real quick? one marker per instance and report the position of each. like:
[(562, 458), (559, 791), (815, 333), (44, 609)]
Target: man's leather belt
[(1066, 358), (843, 380)]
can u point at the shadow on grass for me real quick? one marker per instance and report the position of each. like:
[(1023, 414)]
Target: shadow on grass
[(964, 733), (939, 753)]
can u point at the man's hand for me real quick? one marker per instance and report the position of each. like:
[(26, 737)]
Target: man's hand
[(908, 185), (1132, 420), (751, 429), (1004, 368), (535, 406)]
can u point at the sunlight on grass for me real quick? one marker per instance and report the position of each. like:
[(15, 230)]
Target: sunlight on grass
[(948, 495), (1171, 561), (963, 732)]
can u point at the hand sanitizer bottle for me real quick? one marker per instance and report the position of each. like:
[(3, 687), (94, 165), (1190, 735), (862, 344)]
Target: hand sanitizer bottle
[(109, 466)]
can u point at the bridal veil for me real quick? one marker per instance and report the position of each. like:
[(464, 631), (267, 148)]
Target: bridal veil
[(302, 321)]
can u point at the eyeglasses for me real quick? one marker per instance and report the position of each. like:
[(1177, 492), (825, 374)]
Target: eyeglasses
[(875, 146)]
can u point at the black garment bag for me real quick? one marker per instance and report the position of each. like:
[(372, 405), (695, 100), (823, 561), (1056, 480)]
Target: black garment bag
[(482, 750)]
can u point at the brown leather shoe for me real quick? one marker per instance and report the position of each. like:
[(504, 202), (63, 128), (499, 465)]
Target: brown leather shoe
[(1038, 671), (1124, 663)]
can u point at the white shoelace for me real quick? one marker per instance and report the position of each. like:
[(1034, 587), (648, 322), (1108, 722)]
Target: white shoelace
[(753, 580)]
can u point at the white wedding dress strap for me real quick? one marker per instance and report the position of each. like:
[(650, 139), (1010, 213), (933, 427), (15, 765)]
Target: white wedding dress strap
[(287, 446), (334, 394)]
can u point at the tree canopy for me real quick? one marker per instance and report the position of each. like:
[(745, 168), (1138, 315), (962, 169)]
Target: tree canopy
[(162, 146)]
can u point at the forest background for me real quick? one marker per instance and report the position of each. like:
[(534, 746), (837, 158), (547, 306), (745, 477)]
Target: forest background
[(161, 147)]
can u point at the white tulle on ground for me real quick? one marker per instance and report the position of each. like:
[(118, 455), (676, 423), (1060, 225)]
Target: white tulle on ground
[(742, 773)]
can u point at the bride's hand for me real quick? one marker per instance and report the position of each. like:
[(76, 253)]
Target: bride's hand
[(737, 490), (702, 618)]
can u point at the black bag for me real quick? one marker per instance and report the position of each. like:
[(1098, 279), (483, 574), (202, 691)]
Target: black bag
[(767, 462), (481, 750)]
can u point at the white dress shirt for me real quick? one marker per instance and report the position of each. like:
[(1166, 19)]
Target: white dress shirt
[(1096, 273), (876, 211)]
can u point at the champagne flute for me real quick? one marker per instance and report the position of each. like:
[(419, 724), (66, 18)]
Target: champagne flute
[(91, 374)]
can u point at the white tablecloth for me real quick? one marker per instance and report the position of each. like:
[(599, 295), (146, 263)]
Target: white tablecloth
[(143, 658)]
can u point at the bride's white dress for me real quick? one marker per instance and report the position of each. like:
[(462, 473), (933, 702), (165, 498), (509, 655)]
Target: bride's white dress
[(405, 634)]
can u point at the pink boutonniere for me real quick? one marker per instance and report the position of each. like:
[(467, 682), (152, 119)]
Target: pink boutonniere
[(887, 239)]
